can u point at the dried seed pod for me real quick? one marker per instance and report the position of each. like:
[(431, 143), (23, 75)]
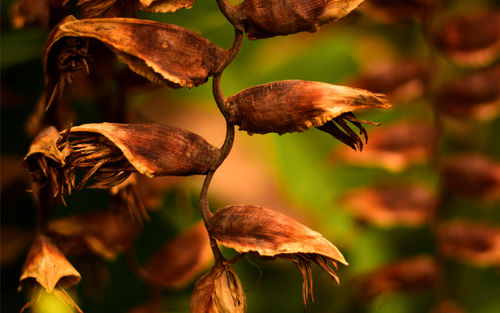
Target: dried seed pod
[(408, 205), (399, 10), (268, 18), (295, 105), (267, 233), (415, 274), (400, 82), (470, 242), (163, 6), (107, 8), (218, 291), (475, 96), (30, 13), (473, 176), (179, 261), (47, 266), (472, 39), (395, 147)]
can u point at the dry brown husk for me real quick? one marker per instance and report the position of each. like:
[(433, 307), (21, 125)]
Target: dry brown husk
[(267, 233), (267, 18), (296, 105), (218, 291)]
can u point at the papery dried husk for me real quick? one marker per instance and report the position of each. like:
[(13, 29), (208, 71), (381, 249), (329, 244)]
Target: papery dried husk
[(181, 259), (164, 6), (267, 18), (473, 176), (295, 105), (415, 274), (102, 233), (388, 206), (47, 266), (470, 242), (472, 39), (395, 147), (107, 8), (400, 82), (218, 291), (399, 10), (475, 96)]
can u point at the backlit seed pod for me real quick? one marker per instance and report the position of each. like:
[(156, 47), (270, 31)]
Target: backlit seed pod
[(218, 291), (181, 259), (164, 6), (268, 18), (295, 105), (416, 274), (472, 176), (399, 10), (267, 233), (408, 205), (395, 147), (473, 243), (472, 40), (475, 96)]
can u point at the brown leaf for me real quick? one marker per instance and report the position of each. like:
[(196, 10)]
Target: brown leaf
[(181, 259), (474, 96), (267, 233), (471, 242), (415, 274), (399, 10), (395, 147), (472, 39), (386, 206), (263, 19), (472, 176), (47, 266), (218, 291), (164, 6), (295, 105)]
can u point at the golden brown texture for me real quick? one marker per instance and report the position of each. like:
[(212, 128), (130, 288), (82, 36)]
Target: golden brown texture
[(163, 6)]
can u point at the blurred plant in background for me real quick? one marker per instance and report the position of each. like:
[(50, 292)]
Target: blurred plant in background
[(416, 213)]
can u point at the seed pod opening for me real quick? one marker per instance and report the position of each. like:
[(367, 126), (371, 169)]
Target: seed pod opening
[(295, 105)]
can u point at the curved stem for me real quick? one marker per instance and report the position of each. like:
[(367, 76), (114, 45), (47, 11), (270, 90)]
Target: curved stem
[(229, 13)]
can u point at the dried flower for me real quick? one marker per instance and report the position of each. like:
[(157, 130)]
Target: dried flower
[(267, 233), (263, 19), (295, 105), (470, 242), (218, 291)]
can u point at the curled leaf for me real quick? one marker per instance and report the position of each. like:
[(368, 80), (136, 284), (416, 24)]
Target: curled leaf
[(268, 18), (218, 291), (179, 261), (295, 105), (387, 206), (473, 243), (267, 233)]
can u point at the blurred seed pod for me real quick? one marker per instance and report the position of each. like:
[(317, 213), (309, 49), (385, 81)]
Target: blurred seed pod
[(37, 13), (102, 233), (474, 96), (295, 105), (395, 147), (399, 10), (107, 8), (470, 242), (263, 19), (267, 233), (472, 176), (218, 291), (472, 39), (163, 53), (181, 259), (447, 307), (388, 206), (401, 82), (415, 274)]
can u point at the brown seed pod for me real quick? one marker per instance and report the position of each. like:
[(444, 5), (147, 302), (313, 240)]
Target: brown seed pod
[(295, 105), (472, 39), (164, 6), (268, 18), (473, 243), (267, 233), (218, 291), (107, 8), (386, 206), (476, 96), (181, 259)]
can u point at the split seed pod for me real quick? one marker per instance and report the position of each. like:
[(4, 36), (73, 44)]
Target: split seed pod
[(268, 18), (267, 233), (218, 291), (295, 105)]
